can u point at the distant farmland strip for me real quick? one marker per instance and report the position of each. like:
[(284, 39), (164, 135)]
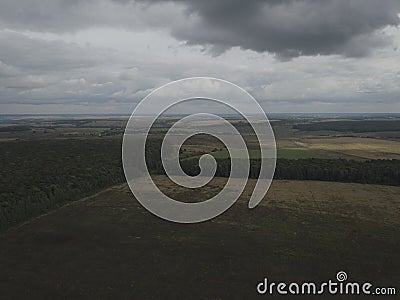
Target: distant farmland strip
[(15, 128), (351, 126)]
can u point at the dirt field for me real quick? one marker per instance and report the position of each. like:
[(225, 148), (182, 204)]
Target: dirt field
[(109, 246)]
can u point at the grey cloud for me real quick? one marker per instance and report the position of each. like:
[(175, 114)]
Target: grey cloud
[(62, 16), (40, 71), (20, 51), (7, 71)]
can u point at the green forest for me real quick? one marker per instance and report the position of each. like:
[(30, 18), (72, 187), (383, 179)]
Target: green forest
[(36, 176)]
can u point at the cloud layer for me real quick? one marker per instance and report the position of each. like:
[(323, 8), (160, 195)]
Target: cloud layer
[(105, 55), (288, 28)]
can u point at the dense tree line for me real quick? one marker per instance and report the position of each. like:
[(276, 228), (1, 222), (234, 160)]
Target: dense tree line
[(385, 172), (36, 176), (351, 126), (372, 171)]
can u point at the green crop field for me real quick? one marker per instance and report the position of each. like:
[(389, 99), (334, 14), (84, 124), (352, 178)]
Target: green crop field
[(298, 153), (288, 153)]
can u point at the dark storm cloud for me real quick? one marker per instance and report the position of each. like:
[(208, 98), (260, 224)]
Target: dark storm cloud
[(290, 28)]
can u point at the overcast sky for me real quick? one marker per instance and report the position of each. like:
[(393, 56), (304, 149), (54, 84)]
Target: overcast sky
[(103, 56)]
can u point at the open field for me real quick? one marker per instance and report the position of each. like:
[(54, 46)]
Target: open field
[(367, 148), (107, 245)]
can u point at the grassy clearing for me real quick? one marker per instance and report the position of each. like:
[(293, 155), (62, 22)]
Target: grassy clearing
[(298, 153), (288, 153)]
